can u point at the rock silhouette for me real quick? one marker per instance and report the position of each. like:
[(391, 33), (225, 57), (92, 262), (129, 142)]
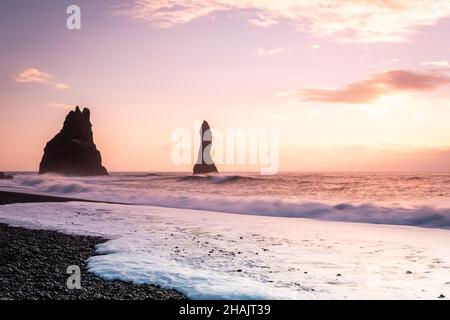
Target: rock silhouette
[(72, 151), (204, 162), (4, 176)]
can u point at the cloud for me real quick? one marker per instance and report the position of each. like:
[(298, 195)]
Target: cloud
[(270, 52), (33, 75), (61, 86), (377, 85), (281, 116), (363, 21), (263, 21), (437, 64), (60, 105), (315, 46)]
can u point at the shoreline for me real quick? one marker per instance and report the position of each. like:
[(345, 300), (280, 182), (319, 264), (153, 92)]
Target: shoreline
[(274, 257), (10, 197), (33, 264)]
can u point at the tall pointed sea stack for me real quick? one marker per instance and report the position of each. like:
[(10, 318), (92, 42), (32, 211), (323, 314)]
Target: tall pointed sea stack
[(204, 162), (72, 151)]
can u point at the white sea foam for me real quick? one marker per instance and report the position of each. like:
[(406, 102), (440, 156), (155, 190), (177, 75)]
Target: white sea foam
[(219, 255)]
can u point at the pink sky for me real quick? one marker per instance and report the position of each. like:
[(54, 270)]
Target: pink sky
[(351, 85)]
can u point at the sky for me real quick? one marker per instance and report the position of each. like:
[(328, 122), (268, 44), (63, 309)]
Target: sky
[(357, 85)]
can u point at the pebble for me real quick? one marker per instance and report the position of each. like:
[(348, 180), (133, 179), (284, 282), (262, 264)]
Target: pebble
[(42, 274)]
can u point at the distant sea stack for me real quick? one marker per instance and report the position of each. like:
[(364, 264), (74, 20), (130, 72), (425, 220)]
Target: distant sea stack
[(72, 151), (205, 164)]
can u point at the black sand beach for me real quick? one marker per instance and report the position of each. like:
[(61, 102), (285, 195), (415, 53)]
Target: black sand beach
[(33, 264)]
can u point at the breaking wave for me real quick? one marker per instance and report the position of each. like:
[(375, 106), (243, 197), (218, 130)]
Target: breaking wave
[(217, 179), (110, 189)]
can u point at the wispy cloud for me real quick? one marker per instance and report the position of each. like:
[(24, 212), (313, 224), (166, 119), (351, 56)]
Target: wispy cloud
[(33, 75), (377, 85), (270, 52), (60, 105), (436, 64), (263, 21), (338, 20), (281, 116)]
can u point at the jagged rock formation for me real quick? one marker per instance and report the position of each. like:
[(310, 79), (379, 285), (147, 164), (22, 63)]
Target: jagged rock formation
[(4, 176), (72, 151), (205, 164)]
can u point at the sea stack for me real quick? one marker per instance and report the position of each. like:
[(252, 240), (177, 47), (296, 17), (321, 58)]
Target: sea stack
[(72, 151), (205, 164)]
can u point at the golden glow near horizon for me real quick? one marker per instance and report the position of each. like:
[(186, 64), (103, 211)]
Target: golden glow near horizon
[(345, 94)]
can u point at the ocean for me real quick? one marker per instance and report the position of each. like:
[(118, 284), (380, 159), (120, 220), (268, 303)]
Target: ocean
[(419, 199), (245, 236)]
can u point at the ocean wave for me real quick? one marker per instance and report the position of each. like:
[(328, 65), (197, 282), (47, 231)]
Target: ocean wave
[(415, 178), (85, 188), (142, 175), (54, 184), (362, 213), (217, 179)]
